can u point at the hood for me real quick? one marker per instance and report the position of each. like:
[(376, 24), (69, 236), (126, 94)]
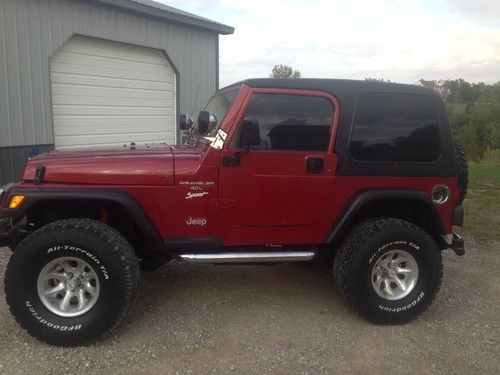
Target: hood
[(144, 165)]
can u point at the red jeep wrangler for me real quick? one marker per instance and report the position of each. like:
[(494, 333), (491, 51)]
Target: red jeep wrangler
[(273, 171)]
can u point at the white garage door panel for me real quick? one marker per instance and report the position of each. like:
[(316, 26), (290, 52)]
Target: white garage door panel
[(117, 124), (106, 72), (83, 60), (71, 110), (124, 83), (102, 101), (103, 48), (108, 93)]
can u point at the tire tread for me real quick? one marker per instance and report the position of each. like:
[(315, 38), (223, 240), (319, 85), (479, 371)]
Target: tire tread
[(120, 247), (348, 253)]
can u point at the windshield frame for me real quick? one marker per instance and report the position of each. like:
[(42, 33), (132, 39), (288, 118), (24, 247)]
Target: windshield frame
[(230, 92)]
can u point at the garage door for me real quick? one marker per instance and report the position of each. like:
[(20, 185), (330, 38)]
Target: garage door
[(106, 93)]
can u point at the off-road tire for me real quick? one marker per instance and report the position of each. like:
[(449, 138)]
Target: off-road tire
[(358, 253), (97, 244), (462, 171)]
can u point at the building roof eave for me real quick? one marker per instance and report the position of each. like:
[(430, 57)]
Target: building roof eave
[(159, 10)]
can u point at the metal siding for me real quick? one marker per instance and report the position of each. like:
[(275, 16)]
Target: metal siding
[(12, 160), (5, 129), (32, 30)]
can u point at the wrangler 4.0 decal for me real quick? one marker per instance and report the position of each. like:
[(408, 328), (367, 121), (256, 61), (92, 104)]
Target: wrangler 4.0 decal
[(197, 183)]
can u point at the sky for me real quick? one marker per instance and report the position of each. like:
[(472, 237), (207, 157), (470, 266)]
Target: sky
[(399, 40)]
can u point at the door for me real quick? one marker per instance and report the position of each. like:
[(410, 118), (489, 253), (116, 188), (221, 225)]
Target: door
[(285, 182), (109, 93)]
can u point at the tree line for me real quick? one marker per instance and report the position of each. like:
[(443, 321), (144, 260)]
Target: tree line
[(474, 114)]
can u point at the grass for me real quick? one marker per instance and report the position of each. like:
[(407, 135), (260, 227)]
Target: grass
[(482, 203)]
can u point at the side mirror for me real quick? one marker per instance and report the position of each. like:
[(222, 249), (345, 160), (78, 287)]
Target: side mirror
[(250, 133), (206, 122), (185, 122)]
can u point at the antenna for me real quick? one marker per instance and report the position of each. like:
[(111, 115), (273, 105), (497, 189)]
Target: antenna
[(195, 100)]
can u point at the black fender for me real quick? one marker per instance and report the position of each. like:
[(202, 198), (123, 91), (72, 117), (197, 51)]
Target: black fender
[(125, 200), (346, 220)]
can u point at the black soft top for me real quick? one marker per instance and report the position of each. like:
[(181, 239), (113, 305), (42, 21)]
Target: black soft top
[(339, 87), (347, 93)]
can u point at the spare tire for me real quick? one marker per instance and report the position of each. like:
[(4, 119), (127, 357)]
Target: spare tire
[(462, 171)]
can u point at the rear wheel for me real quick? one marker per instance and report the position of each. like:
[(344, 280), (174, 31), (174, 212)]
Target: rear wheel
[(72, 281), (388, 270)]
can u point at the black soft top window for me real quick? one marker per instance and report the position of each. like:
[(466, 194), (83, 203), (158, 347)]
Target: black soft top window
[(292, 122), (395, 128)]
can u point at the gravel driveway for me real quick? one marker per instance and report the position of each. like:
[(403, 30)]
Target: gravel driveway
[(282, 319)]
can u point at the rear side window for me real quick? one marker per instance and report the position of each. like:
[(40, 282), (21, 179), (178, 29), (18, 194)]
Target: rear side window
[(291, 122), (395, 128)]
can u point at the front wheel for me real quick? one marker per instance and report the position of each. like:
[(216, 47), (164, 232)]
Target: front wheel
[(71, 281), (388, 270)]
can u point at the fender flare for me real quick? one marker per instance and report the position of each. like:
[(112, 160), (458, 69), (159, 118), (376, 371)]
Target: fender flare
[(125, 200), (342, 225)]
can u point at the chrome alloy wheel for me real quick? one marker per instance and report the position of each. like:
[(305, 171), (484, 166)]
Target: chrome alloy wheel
[(68, 287), (394, 275)]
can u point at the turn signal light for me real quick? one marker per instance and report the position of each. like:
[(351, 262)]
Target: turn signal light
[(16, 201)]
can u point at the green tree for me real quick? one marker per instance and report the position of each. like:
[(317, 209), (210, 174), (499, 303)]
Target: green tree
[(284, 72), (482, 129), (371, 79), (457, 90), (429, 84)]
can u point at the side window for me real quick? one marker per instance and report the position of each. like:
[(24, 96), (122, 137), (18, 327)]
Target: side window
[(395, 128), (291, 122)]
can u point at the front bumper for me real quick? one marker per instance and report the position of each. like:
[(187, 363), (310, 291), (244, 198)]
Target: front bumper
[(5, 232)]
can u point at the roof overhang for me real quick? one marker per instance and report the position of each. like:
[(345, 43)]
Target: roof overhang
[(159, 10)]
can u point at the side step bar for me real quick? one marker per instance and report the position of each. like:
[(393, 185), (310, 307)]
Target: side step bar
[(250, 257)]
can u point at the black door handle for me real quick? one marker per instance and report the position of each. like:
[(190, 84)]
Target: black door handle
[(231, 161), (314, 165)]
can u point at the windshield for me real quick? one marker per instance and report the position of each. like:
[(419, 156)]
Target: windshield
[(219, 104)]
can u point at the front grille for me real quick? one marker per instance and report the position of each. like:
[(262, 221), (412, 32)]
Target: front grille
[(5, 223)]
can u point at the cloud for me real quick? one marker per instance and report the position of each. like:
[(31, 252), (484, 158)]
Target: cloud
[(476, 10), (401, 41)]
